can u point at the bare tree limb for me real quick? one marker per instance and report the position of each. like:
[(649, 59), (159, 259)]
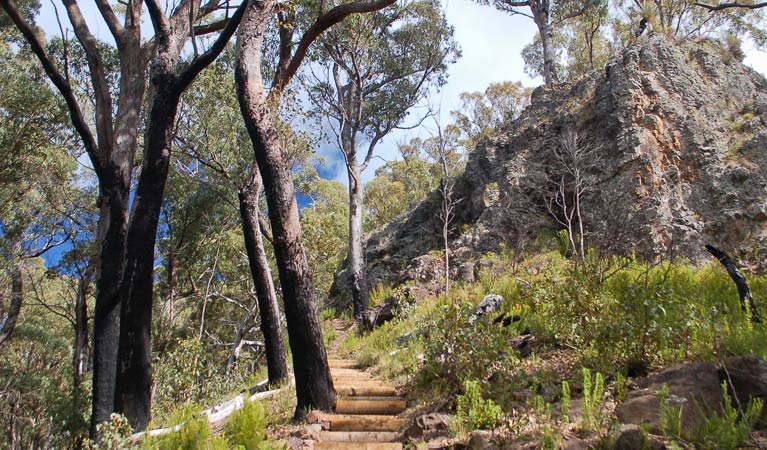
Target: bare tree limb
[(744, 292), (212, 53), (325, 21), (723, 6), (104, 127), (75, 112)]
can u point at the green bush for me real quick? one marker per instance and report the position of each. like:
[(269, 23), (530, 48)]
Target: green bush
[(476, 412), (247, 426), (593, 401), (728, 429)]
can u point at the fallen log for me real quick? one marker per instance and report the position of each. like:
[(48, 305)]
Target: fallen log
[(744, 292), (218, 414)]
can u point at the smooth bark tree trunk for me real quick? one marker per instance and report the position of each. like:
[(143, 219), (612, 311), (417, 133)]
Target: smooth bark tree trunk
[(314, 386), (274, 343), (17, 298), (360, 296), (540, 12), (134, 376)]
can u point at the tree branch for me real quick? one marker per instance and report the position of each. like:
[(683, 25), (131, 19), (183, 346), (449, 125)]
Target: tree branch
[(744, 292), (212, 53), (723, 6), (324, 22), (111, 19), (75, 112), (104, 127)]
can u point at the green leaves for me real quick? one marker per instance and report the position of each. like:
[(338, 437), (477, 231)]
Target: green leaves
[(476, 412)]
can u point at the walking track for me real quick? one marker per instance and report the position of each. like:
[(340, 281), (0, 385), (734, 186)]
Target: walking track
[(366, 412)]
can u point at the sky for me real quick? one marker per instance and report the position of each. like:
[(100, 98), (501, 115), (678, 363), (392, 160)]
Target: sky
[(491, 42)]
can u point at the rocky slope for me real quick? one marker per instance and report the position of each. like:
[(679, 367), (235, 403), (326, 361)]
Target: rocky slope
[(671, 140)]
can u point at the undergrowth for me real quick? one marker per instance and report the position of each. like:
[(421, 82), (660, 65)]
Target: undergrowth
[(610, 315)]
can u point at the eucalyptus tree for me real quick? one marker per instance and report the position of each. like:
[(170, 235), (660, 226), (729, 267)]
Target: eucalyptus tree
[(36, 175), (685, 18), (378, 67), (480, 114), (258, 104), (214, 135), (548, 15), (122, 319)]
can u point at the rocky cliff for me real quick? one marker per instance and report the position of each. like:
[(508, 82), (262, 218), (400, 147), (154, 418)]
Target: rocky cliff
[(670, 141)]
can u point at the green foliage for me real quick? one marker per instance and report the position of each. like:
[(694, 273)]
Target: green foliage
[(459, 350), (246, 427), (566, 401), (324, 224), (476, 412), (115, 434), (195, 433), (482, 113), (593, 401), (670, 417), (730, 427)]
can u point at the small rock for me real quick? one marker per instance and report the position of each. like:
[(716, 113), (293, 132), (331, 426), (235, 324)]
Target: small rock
[(482, 440), (574, 443), (295, 443), (308, 432), (491, 303), (429, 427), (440, 444), (631, 438)]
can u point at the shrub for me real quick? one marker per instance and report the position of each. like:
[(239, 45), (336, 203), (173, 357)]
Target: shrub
[(247, 426), (476, 412), (593, 400)]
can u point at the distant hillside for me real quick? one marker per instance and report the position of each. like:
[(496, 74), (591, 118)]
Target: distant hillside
[(673, 141)]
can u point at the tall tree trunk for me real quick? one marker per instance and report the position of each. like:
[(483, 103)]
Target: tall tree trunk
[(80, 354), (113, 231), (360, 296), (540, 12), (274, 344), (314, 386), (113, 228), (17, 297), (134, 375)]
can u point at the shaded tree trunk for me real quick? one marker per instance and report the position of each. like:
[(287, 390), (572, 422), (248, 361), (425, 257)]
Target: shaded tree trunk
[(360, 296), (17, 298), (274, 343), (113, 226), (132, 394), (134, 375), (744, 292), (314, 386), (80, 354)]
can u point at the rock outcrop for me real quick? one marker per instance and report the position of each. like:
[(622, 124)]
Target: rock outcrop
[(674, 136)]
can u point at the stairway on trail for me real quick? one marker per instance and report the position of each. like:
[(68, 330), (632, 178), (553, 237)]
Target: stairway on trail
[(366, 412)]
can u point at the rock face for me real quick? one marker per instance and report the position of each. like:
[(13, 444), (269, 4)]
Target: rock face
[(675, 136)]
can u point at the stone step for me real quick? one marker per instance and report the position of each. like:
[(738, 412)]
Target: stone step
[(370, 405), (357, 446), (342, 363), (341, 422), (359, 436), (371, 390)]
